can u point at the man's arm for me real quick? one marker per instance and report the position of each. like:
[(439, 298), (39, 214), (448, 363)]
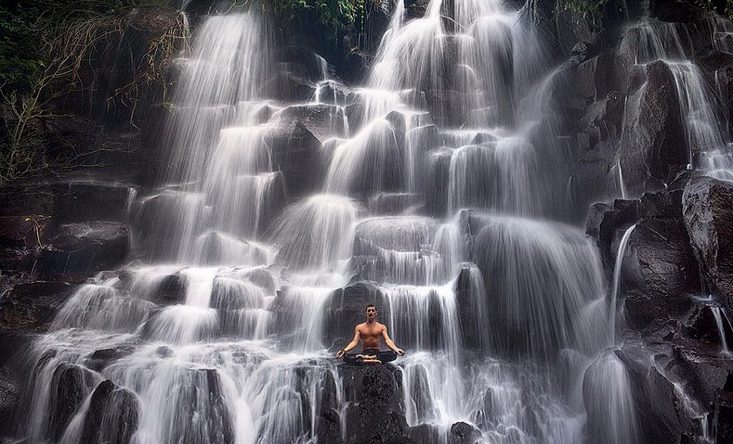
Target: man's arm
[(390, 344), (354, 342)]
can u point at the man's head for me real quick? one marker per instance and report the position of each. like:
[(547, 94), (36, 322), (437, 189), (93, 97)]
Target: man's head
[(371, 312)]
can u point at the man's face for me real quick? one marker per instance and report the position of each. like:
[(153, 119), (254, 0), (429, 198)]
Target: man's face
[(371, 313)]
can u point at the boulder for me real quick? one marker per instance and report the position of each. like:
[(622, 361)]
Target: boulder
[(24, 200), (655, 400), (660, 272), (171, 290), (84, 201), (296, 152), (462, 432), (70, 385), (328, 427), (112, 417), (346, 307), (202, 411), (104, 357), (86, 247), (394, 203), (654, 141), (708, 216), (375, 412), (9, 397), (700, 325), (332, 92), (604, 219), (33, 305), (289, 86), (322, 120), (304, 62)]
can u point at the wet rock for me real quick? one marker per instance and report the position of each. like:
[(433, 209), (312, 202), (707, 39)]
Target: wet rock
[(33, 305), (86, 247), (346, 307), (202, 411), (660, 272), (328, 428), (290, 86), (654, 143), (708, 215), (321, 120), (171, 290), (375, 412), (447, 107), (24, 200), (356, 65), (296, 153), (70, 385), (393, 203), (332, 92), (112, 417), (262, 278), (662, 205), (9, 397), (462, 432), (83, 201), (724, 414), (604, 219), (654, 395), (700, 324), (304, 62), (102, 358), (425, 433)]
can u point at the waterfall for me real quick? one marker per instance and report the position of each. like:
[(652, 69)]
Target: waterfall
[(618, 265), (700, 107), (437, 183)]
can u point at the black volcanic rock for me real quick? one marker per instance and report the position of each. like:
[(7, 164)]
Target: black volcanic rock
[(708, 216), (33, 305), (660, 272), (462, 432), (654, 144), (83, 201), (171, 290), (328, 427), (112, 417), (375, 412), (604, 219), (346, 307), (70, 385), (86, 247), (9, 397), (322, 120), (296, 152)]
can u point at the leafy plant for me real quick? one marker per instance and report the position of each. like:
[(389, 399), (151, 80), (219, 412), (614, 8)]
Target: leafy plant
[(45, 46)]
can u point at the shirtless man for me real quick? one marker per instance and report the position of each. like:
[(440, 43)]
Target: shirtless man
[(370, 334)]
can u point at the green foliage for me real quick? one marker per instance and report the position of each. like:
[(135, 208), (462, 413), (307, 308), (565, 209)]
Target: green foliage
[(44, 45), (722, 7), (333, 14), (590, 9)]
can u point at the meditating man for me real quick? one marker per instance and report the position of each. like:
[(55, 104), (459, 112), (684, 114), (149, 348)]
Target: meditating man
[(369, 334)]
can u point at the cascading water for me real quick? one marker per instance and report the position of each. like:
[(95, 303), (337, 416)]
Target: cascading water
[(700, 104), (429, 192)]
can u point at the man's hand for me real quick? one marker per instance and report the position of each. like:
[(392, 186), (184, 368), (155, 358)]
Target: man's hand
[(400, 352), (340, 354)]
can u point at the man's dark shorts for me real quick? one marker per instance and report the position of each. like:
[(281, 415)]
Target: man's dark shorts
[(384, 356)]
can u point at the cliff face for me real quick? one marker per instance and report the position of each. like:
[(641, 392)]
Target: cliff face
[(642, 97)]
